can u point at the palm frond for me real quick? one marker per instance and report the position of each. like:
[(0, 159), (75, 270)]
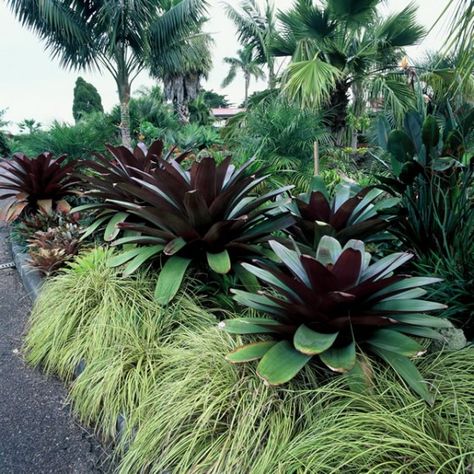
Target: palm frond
[(310, 82)]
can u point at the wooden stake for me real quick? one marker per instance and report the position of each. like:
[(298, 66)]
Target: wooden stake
[(316, 158)]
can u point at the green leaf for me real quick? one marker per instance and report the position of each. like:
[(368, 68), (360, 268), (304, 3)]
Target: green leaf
[(359, 378), (430, 132), (340, 359), (311, 342), (123, 257), (328, 251), (170, 279), (421, 319), (145, 254), (281, 363), (420, 331), (248, 280), (407, 371), (250, 326), (291, 260), (111, 231), (400, 146), (408, 305), (174, 246), (219, 262), (406, 284), (393, 341), (94, 226), (250, 352)]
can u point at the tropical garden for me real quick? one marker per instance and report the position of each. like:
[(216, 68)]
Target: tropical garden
[(289, 293)]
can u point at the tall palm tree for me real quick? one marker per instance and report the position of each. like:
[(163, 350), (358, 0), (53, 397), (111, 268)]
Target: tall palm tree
[(190, 62), (345, 47), (256, 27), (115, 35), (246, 62)]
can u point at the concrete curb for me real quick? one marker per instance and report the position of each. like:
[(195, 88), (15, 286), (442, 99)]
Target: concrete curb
[(32, 279)]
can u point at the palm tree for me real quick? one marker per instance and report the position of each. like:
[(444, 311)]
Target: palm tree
[(245, 62), (115, 35), (459, 42), (346, 47), (190, 62), (256, 28)]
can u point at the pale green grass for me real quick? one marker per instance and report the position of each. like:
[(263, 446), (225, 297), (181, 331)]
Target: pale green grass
[(207, 416), (113, 325), (189, 411)]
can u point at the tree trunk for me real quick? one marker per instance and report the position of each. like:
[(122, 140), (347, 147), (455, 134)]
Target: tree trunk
[(338, 109), (247, 85), (124, 96), (271, 73)]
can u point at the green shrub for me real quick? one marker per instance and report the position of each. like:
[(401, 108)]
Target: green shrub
[(81, 140)]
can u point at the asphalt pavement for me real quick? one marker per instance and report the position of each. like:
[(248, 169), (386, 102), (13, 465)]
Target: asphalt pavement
[(38, 434)]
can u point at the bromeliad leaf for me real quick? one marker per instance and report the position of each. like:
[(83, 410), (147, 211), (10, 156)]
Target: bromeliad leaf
[(250, 352), (219, 262), (281, 363), (311, 342), (170, 278), (330, 304)]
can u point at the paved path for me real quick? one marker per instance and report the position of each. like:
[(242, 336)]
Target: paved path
[(37, 433)]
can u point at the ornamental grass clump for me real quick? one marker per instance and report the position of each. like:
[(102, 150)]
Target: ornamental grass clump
[(207, 216), (208, 416), (350, 213), (32, 184), (331, 307), (101, 331)]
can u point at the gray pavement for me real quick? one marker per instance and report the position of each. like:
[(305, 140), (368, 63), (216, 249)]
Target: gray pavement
[(38, 435)]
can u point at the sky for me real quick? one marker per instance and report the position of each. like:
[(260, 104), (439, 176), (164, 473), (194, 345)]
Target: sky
[(32, 85)]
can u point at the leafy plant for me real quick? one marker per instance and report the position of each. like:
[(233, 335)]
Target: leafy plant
[(204, 214), (78, 141), (36, 183), (351, 213), (126, 167), (432, 182), (25, 228), (50, 250), (332, 306)]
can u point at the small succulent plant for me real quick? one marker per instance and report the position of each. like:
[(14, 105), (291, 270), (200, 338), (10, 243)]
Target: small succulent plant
[(50, 250), (329, 307), (351, 213), (32, 184)]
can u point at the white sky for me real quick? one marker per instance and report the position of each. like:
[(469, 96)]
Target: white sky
[(34, 86)]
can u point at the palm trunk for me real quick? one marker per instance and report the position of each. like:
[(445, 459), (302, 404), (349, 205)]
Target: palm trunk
[(271, 73), (338, 108), (247, 85), (124, 88), (124, 96), (358, 110)]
